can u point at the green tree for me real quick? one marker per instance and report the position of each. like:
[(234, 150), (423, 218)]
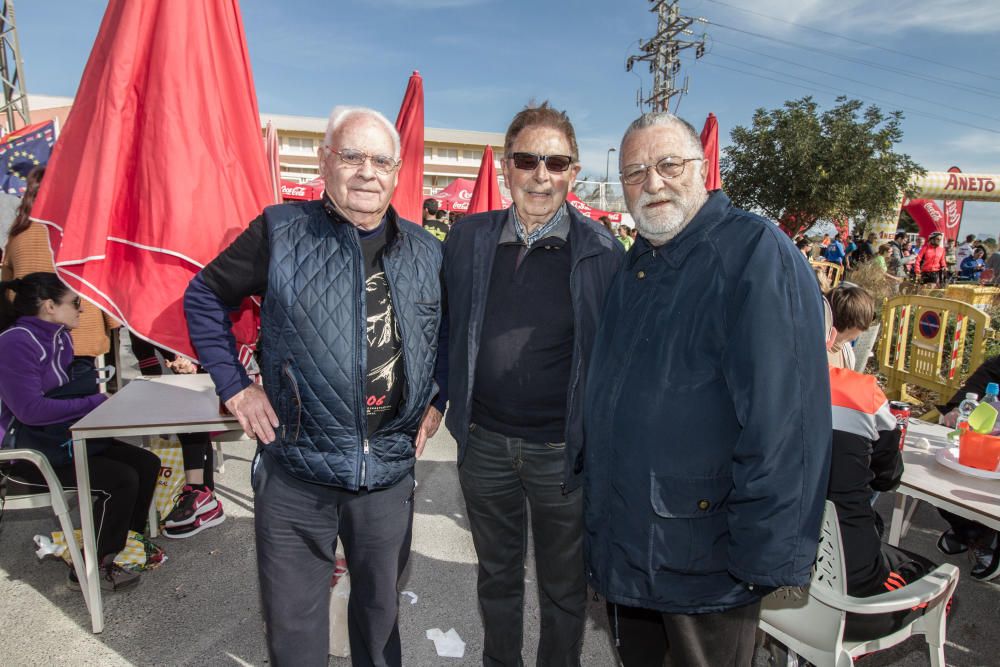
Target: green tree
[(799, 166)]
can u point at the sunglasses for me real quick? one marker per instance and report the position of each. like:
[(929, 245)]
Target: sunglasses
[(75, 302), (529, 161)]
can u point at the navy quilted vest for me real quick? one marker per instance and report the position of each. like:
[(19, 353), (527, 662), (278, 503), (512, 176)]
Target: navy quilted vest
[(314, 347)]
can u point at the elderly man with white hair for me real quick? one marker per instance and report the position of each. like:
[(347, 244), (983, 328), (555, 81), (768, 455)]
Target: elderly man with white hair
[(349, 323), (707, 414)]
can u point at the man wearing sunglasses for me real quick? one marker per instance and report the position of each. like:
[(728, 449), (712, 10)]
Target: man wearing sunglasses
[(707, 414), (524, 289), (349, 322)]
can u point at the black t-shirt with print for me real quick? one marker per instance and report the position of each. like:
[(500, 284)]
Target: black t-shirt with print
[(384, 384)]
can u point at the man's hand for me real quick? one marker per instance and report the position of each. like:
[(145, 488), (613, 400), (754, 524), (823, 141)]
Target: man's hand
[(428, 427), (182, 366), (255, 413)]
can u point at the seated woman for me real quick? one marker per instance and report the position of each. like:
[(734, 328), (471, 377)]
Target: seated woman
[(972, 267), (35, 356)]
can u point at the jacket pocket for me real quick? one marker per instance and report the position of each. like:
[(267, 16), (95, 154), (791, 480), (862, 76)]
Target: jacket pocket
[(689, 533), (291, 422)]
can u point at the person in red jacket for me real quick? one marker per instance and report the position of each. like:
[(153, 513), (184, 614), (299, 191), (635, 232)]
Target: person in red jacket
[(930, 262)]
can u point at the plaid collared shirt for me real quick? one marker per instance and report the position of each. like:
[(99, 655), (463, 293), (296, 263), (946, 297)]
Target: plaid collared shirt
[(541, 232)]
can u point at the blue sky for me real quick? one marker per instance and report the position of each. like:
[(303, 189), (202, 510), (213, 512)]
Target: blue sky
[(482, 60)]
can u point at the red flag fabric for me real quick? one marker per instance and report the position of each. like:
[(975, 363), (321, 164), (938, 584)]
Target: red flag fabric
[(160, 164), (590, 211), (953, 213), (710, 142), (927, 215), (409, 195), (486, 194)]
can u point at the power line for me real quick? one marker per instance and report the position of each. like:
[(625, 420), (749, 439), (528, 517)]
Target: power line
[(822, 88), (896, 70), (845, 78), (851, 39)]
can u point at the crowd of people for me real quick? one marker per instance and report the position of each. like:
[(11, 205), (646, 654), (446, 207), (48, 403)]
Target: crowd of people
[(912, 257), (666, 412)]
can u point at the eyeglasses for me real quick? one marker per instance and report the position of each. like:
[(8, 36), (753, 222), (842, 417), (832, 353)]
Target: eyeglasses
[(667, 167), (529, 161), (383, 164), (76, 303)]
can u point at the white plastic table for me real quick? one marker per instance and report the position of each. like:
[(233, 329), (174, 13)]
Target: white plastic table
[(925, 479), (156, 406)]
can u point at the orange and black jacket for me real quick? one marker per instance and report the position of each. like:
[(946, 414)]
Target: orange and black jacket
[(866, 459)]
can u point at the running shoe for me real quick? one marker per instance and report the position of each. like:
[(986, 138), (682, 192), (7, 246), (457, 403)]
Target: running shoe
[(190, 504), (949, 544), (987, 565), (113, 578), (213, 517)]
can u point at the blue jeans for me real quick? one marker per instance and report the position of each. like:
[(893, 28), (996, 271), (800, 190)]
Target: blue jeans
[(501, 476)]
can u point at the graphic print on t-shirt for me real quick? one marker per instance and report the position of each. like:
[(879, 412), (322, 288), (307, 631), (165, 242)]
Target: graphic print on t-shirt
[(384, 348)]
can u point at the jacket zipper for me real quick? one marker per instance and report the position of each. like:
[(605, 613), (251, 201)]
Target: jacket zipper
[(359, 384), (296, 396), (57, 348)]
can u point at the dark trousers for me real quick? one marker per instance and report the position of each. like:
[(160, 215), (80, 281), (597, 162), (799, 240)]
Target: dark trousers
[(197, 451), (122, 479), (907, 565), (500, 477), (297, 525), (645, 637), (195, 447)]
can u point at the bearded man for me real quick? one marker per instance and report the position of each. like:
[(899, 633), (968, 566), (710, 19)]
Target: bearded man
[(707, 414)]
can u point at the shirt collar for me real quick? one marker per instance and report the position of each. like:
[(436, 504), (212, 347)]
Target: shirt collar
[(514, 231)]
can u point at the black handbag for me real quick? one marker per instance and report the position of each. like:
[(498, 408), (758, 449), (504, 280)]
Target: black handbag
[(55, 440)]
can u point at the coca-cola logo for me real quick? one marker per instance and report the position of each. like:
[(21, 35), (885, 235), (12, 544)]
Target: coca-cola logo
[(580, 206), (297, 191), (952, 216), (464, 194), (933, 211)]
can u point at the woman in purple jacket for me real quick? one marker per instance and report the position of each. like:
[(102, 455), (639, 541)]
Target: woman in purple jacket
[(35, 356)]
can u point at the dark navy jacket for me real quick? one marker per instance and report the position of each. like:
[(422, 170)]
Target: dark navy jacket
[(313, 344), (469, 251), (708, 419)]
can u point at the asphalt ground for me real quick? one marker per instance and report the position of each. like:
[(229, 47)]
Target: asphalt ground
[(201, 606)]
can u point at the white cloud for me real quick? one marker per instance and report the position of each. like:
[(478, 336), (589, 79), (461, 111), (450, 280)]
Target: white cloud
[(864, 18), (978, 143)]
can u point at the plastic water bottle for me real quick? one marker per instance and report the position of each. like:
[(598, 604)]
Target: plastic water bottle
[(965, 409), (991, 398)]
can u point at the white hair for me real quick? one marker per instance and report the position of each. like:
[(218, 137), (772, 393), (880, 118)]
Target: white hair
[(663, 118), (341, 113)]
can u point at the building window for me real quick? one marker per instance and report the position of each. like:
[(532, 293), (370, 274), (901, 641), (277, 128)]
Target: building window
[(428, 152), (300, 145), (472, 155), (448, 153)]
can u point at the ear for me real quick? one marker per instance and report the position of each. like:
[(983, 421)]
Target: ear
[(503, 170), (705, 165)]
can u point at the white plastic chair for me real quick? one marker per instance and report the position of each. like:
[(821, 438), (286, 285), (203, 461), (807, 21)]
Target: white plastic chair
[(812, 625), (55, 497)]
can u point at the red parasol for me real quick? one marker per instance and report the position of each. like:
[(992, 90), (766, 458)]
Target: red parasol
[(302, 191), (456, 195), (409, 195), (590, 211), (710, 142), (486, 194), (273, 161), (146, 183)]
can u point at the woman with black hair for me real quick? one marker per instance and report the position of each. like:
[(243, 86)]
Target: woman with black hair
[(28, 251), (39, 402)]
